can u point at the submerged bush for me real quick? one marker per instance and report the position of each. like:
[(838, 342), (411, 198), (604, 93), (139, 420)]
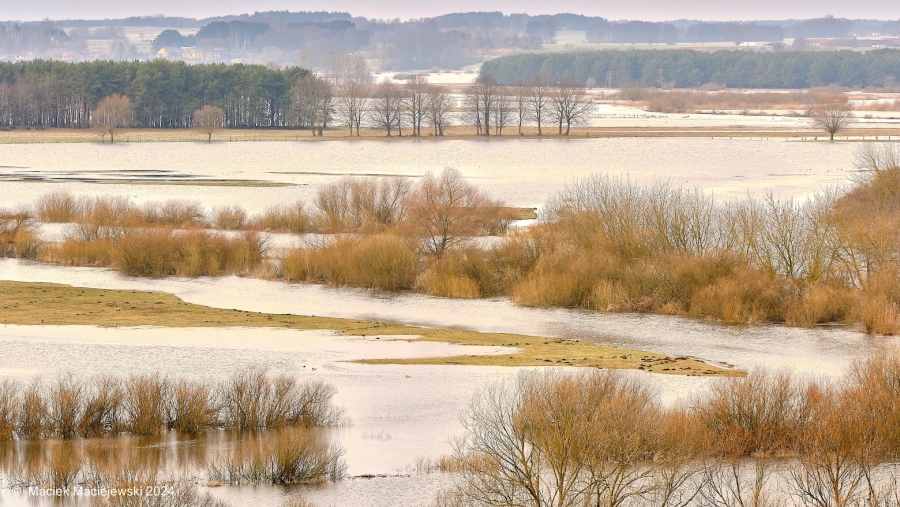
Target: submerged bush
[(590, 438), (154, 404)]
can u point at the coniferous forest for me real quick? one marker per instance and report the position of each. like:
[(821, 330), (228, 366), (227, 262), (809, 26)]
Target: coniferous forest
[(686, 68), (163, 94)]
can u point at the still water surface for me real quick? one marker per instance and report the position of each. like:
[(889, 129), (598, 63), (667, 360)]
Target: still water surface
[(522, 172)]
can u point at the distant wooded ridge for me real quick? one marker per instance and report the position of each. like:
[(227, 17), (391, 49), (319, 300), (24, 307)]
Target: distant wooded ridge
[(451, 41), (597, 26), (688, 68), (163, 94)]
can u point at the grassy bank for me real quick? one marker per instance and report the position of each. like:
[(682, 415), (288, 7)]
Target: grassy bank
[(28, 303), (452, 133)]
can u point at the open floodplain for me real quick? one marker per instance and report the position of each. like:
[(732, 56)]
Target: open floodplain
[(397, 421)]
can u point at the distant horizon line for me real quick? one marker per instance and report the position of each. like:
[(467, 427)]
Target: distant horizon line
[(348, 15)]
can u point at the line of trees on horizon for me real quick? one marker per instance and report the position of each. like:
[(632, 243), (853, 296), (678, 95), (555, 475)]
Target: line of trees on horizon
[(110, 96), (162, 94), (688, 68)]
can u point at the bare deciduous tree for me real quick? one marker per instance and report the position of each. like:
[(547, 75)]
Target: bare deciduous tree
[(446, 210), (539, 100), (504, 108), (472, 110), (555, 440), (352, 105), (415, 98), (438, 106), (112, 113), (632, 94), (520, 104), (209, 119), (833, 116), (385, 112), (486, 90), (570, 105), (313, 103)]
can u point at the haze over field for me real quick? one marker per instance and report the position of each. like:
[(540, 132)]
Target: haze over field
[(650, 10)]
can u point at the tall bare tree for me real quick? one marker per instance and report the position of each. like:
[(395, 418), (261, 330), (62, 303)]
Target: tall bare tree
[(438, 106), (415, 98), (570, 105), (539, 99), (385, 107), (520, 99), (833, 115), (472, 110), (504, 109), (112, 113), (486, 90), (313, 101), (352, 105), (209, 119)]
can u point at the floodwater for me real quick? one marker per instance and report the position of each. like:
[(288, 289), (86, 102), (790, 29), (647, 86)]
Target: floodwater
[(522, 172), (398, 413)]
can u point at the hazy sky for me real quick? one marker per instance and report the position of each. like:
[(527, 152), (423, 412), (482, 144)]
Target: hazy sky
[(651, 10)]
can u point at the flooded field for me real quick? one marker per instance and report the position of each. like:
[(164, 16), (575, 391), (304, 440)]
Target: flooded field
[(398, 414), (522, 172)]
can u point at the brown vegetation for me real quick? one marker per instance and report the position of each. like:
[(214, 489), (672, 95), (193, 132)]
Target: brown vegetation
[(603, 243), (70, 407), (292, 457), (600, 438), (29, 303), (689, 101), (160, 252), (17, 234)]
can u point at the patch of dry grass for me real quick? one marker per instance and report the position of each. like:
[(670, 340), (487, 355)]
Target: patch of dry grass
[(52, 304)]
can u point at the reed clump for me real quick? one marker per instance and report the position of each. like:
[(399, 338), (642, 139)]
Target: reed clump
[(161, 252), (152, 405), (292, 218), (385, 262), (17, 234), (296, 456)]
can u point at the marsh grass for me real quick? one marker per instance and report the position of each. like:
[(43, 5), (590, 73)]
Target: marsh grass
[(152, 405), (9, 409), (158, 253), (161, 252), (294, 456), (17, 234), (689, 101), (291, 218), (384, 262)]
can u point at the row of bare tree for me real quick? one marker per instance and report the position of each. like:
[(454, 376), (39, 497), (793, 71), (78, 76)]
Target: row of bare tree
[(486, 105), (317, 104)]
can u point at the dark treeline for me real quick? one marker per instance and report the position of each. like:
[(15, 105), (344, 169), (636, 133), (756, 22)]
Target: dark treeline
[(163, 94), (684, 68)]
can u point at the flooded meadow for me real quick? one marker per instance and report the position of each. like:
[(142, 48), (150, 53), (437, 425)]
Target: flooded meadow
[(400, 419)]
